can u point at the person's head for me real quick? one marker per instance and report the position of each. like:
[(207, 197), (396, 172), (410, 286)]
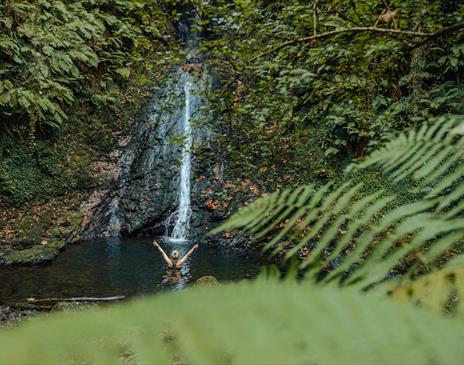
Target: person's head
[(174, 255)]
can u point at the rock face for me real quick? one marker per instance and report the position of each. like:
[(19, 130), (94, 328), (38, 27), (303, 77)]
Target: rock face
[(146, 189)]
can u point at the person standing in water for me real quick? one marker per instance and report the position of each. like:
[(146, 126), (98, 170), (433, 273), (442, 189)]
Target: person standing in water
[(173, 261)]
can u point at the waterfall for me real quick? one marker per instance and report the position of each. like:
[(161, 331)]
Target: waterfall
[(155, 187), (183, 212)]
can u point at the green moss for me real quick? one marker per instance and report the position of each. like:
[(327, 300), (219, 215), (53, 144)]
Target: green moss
[(42, 232), (57, 244), (34, 227), (55, 231), (74, 221), (31, 256), (35, 172)]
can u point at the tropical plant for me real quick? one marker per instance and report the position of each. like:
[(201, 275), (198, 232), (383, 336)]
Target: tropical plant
[(359, 239), (59, 56), (312, 83), (261, 322), (440, 290), (72, 76)]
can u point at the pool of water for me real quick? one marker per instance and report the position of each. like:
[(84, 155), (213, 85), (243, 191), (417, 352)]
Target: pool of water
[(123, 267)]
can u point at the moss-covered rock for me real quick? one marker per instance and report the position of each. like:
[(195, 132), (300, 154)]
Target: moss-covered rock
[(207, 280), (35, 234), (32, 256)]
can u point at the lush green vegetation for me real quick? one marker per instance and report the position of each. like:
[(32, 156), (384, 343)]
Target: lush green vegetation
[(264, 322), (305, 91), (352, 238), (59, 57), (71, 75), (353, 122)]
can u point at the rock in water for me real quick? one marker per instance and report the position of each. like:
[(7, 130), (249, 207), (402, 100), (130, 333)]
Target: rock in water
[(207, 280)]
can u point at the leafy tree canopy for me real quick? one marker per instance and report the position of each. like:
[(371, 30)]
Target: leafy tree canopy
[(309, 84)]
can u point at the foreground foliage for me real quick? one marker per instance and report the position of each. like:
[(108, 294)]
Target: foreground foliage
[(365, 239), (262, 322)]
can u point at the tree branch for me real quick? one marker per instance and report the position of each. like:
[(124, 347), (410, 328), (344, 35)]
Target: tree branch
[(429, 36), (77, 299)]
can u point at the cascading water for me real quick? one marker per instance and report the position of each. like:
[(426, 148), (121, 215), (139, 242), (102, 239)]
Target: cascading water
[(183, 212), (150, 192), (154, 191)]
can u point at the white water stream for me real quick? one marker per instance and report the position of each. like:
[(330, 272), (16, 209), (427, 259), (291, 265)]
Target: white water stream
[(183, 212)]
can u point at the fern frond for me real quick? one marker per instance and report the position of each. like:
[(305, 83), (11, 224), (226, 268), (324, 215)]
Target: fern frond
[(349, 240), (441, 290), (433, 156), (363, 241), (284, 323)]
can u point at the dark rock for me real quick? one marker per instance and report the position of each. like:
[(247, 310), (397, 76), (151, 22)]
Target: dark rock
[(146, 189), (28, 307), (10, 315)]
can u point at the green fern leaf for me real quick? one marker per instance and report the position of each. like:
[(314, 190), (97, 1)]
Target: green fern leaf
[(285, 323), (442, 290), (357, 240)]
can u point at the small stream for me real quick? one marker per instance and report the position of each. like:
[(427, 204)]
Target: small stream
[(117, 266)]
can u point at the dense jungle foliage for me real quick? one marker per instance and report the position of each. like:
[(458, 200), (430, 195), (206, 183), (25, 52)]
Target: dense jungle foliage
[(347, 115), (298, 81), (307, 91), (69, 71)]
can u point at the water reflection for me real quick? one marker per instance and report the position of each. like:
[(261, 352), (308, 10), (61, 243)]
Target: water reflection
[(122, 267)]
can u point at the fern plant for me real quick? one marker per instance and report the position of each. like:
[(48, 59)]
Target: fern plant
[(261, 322), (363, 239), (432, 156), (441, 290), (56, 55)]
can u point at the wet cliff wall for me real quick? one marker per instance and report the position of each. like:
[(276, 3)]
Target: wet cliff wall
[(146, 185)]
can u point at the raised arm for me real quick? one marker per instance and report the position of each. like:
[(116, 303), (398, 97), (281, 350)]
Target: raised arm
[(186, 257), (165, 257)]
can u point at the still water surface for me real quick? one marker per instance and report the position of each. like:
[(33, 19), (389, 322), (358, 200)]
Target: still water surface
[(122, 267)]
